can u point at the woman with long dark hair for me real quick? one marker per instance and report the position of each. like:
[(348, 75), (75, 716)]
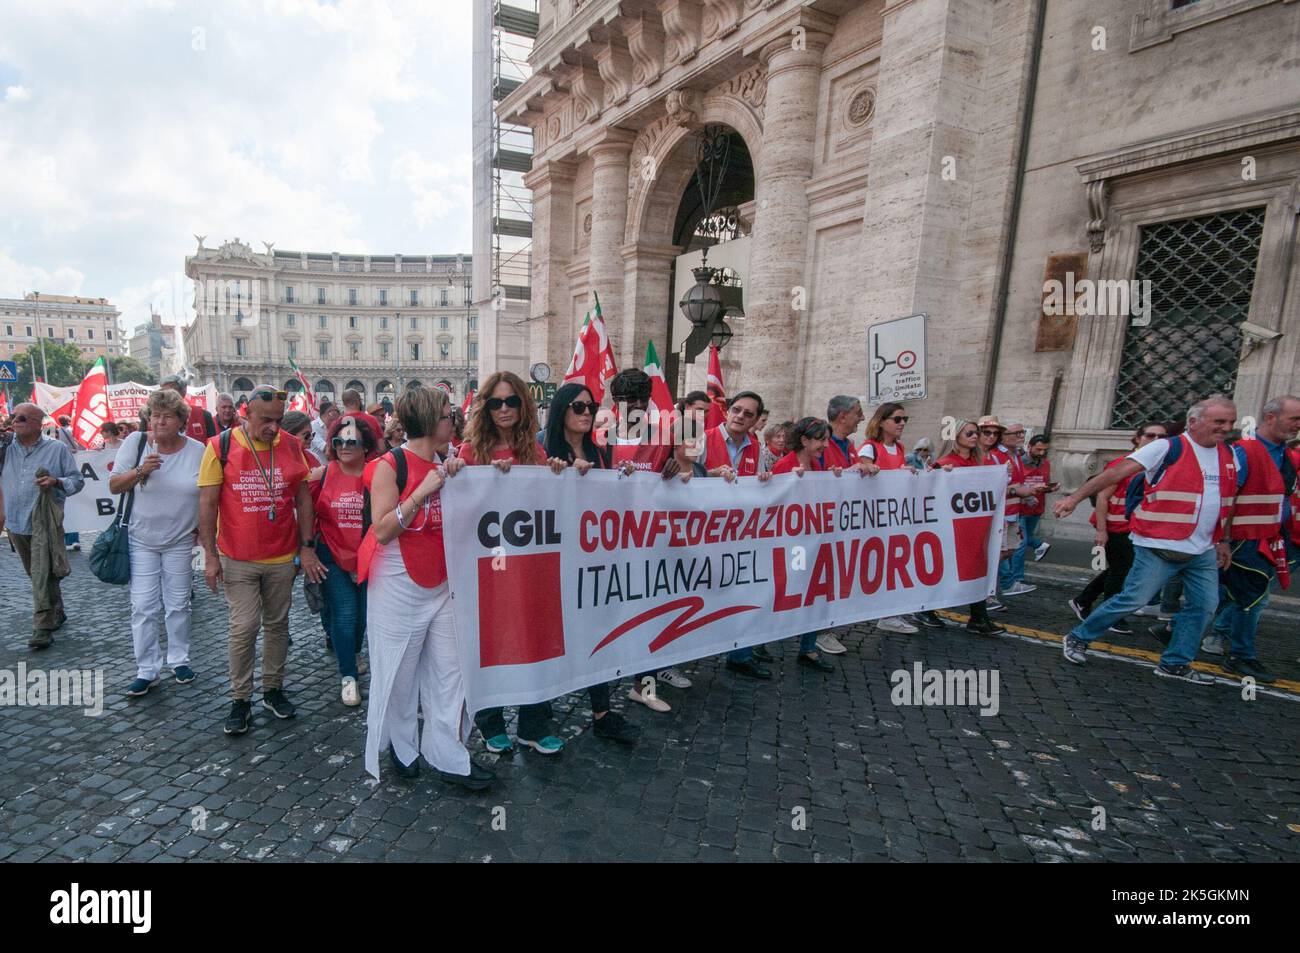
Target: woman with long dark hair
[(338, 492)]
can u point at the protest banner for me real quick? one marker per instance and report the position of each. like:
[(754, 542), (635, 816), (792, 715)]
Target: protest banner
[(588, 581), (127, 398), (92, 510)]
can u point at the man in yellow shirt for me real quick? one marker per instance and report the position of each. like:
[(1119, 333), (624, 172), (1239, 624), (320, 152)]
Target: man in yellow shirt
[(255, 520)]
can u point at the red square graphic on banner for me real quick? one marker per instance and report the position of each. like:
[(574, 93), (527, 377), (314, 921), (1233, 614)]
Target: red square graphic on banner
[(971, 535), (520, 610)]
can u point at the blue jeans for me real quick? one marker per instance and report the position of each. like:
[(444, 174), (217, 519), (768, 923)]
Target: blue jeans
[(808, 641), (1236, 622), (346, 623), (1200, 578), (1012, 569)]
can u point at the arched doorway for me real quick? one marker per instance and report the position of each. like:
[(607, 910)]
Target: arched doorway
[(359, 387), (241, 388), (293, 385), (324, 389)]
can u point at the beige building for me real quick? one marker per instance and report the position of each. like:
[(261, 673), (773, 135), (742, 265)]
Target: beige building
[(154, 346), (941, 157), (88, 323), (373, 323)]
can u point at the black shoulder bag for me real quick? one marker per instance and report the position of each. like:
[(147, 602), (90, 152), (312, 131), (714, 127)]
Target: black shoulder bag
[(110, 557)]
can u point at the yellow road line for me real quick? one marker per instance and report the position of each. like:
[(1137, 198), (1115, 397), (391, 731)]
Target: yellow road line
[(1282, 684)]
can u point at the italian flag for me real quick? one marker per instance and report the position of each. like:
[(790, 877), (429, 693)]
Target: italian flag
[(307, 403), (661, 400)]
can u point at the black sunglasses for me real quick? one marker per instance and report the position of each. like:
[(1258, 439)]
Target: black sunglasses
[(990, 430), (21, 418), (968, 433), (495, 403), (269, 395), (1153, 436), (581, 407), (900, 419), (348, 443)]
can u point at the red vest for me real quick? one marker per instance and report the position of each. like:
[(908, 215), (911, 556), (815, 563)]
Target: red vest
[(420, 545), (338, 514), (1258, 510), (886, 460), (717, 454), (1035, 475), (833, 456), (1116, 521), (1295, 500), (197, 425), (791, 460), (1169, 509), (244, 531), (955, 461), (645, 457), (1015, 475)]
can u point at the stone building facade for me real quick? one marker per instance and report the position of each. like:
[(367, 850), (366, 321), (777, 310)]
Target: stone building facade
[(373, 323), (89, 324), (944, 157)]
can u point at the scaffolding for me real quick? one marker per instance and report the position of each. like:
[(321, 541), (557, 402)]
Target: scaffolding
[(514, 28)]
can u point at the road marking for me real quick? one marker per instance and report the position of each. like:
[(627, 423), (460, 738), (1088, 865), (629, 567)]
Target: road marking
[(1282, 687)]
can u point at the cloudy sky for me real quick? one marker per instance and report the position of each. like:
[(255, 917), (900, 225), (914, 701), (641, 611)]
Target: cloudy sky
[(127, 127)]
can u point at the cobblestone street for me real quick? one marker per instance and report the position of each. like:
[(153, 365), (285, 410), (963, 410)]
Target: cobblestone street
[(806, 767)]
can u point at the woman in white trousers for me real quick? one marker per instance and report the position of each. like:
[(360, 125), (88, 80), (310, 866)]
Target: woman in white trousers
[(160, 465), (414, 662)]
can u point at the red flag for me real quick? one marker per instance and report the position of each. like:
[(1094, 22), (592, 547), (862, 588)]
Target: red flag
[(4, 402), (717, 394), (593, 358), (661, 400), (469, 399), (309, 403), (90, 409)]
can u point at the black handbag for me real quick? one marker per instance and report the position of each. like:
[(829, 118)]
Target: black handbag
[(110, 557)]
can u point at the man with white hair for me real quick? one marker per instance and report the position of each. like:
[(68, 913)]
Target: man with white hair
[(1179, 515), (1264, 534)]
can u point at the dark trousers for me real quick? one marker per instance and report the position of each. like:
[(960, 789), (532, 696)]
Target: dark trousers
[(979, 611), (1119, 559), (47, 614), (533, 721)]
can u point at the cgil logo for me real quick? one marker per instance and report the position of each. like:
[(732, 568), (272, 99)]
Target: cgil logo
[(75, 906), (934, 686)]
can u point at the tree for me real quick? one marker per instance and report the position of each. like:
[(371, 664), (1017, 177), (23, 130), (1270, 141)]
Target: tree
[(63, 361), (123, 368)]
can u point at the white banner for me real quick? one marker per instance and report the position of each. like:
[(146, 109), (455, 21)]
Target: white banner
[(91, 510), (561, 582)]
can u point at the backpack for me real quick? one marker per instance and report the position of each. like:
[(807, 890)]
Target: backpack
[(1137, 486), (399, 458)]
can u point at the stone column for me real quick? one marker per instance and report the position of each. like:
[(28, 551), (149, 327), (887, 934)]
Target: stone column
[(609, 156), (778, 260), (647, 293), (550, 331)]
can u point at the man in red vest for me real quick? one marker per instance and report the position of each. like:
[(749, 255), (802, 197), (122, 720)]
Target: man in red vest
[(256, 525), (201, 426), (1264, 530), (730, 450), (1177, 531)]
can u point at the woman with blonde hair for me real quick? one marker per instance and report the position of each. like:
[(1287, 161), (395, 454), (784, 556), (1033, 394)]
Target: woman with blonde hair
[(414, 661), (160, 467), (966, 450)]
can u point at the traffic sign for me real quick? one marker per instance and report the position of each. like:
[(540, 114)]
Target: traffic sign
[(8, 372)]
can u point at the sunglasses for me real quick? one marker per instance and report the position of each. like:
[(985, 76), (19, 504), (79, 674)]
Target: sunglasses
[(968, 433), (1153, 436), (581, 407), (269, 395), (493, 404), (990, 431), (900, 419), (347, 443)]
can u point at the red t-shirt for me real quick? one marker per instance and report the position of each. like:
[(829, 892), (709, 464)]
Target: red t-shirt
[(790, 461), (503, 453), (421, 544), (957, 461), (339, 499)]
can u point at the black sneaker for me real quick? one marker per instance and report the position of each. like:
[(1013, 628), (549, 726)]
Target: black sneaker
[(1184, 673), (1251, 667), (931, 620), (478, 779), (614, 727), (1079, 609), (750, 668), (762, 654), (274, 700), (817, 662), (240, 717), (1162, 633), (987, 627), (1122, 627), (405, 771)]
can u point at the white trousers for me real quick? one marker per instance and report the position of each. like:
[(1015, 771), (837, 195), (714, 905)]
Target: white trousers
[(160, 589), (414, 665)]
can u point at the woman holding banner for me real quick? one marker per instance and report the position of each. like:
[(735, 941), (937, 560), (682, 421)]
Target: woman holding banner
[(161, 466), (337, 490), (500, 432), (415, 664), (965, 450)]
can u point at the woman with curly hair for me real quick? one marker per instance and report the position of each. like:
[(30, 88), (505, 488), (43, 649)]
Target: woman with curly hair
[(502, 425)]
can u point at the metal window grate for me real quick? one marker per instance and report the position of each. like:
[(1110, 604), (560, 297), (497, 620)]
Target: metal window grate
[(1201, 271)]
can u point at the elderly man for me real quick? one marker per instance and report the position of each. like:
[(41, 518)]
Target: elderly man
[(844, 414), (201, 426), (1177, 531), (227, 416), (36, 474), (256, 522)]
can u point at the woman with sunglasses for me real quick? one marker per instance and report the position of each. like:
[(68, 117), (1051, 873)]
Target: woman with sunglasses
[(966, 450), (1113, 532), (338, 492), (807, 442), (883, 450), (568, 437), (502, 432), (415, 665)]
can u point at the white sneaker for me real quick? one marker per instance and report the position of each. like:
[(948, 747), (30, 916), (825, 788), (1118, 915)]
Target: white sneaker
[(670, 676), (894, 624), (351, 694), (653, 702), (1018, 589), (1041, 551), (1212, 645), (1152, 611), (830, 645)]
